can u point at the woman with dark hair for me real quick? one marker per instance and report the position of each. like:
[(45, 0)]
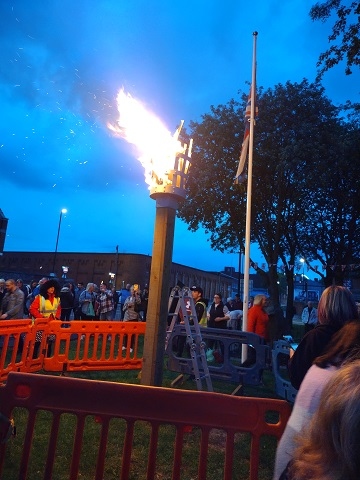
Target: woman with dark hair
[(218, 317), (336, 307), (343, 348), (46, 305), (218, 313), (337, 421)]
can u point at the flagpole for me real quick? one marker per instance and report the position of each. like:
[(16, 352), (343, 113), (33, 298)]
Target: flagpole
[(248, 200)]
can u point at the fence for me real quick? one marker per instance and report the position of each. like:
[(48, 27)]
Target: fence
[(127, 425), (101, 345), (280, 358), (95, 345), (229, 366)]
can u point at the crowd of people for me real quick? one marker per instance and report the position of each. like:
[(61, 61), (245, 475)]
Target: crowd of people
[(91, 302), (322, 436)]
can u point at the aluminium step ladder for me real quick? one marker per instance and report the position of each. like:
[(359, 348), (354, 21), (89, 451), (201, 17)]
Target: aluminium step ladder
[(182, 309)]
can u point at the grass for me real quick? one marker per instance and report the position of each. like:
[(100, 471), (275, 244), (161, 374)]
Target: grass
[(112, 460)]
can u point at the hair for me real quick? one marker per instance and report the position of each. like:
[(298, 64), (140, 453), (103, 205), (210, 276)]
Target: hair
[(258, 299), (219, 295), (337, 306), (45, 286), (344, 344), (89, 285), (329, 447)]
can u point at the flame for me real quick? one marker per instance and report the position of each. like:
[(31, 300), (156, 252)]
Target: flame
[(156, 146)]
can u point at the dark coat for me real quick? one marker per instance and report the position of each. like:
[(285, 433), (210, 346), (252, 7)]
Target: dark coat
[(66, 298), (312, 345), (217, 311)]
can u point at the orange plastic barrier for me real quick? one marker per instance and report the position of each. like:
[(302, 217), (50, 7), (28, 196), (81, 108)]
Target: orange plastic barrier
[(11, 336), (94, 345), (101, 405), (75, 345), (16, 346)]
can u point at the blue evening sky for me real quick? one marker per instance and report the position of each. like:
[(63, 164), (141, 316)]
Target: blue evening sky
[(62, 64)]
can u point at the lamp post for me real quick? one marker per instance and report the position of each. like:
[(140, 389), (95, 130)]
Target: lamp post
[(302, 260), (63, 211), (167, 196), (116, 264), (65, 270)]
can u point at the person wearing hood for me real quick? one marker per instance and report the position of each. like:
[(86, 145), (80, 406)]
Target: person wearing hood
[(66, 302), (46, 305)]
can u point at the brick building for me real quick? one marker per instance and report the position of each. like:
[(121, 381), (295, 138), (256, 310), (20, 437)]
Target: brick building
[(107, 267)]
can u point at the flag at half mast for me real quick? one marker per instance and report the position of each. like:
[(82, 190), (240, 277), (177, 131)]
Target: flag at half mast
[(245, 144)]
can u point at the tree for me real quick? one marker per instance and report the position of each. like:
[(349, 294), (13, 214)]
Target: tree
[(212, 200), (292, 146), (332, 233), (345, 36)]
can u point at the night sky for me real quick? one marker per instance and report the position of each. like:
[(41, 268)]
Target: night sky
[(62, 64)]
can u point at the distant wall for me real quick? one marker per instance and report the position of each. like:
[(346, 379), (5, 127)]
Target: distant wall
[(95, 267)]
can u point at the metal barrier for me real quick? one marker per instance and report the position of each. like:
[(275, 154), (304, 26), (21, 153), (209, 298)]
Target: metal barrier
[(65, 409), (229, 345), (280, 358)]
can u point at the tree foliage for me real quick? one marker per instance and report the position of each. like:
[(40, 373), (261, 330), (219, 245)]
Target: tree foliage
[(304, 195), (345, 35), (332, 232)]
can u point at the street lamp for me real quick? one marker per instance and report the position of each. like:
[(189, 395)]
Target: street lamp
[(304, 283), (63, 211), (65, 270), (111, 276), (302, 260)]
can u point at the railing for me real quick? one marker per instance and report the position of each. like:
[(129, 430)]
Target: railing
[(66, 411)]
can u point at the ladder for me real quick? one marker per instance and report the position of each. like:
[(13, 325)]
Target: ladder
[(181, 305)]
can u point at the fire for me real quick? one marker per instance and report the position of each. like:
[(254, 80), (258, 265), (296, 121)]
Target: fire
[(156, 146)]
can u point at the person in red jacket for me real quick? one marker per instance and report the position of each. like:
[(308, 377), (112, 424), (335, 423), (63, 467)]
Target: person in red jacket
[(257, 323), (258, 319)]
